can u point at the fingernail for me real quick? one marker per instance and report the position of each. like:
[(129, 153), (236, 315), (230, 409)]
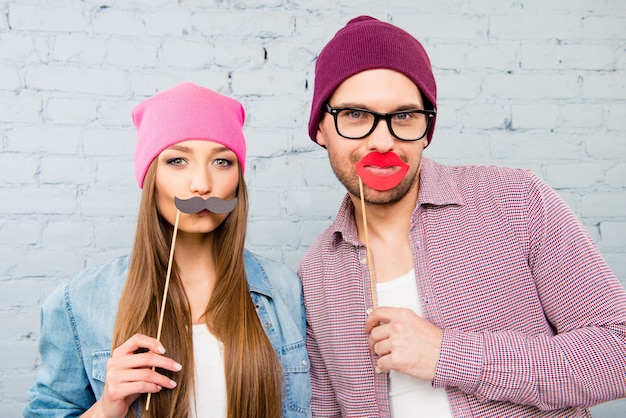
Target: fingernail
[(172, 384), (178, 367), (161, 349)]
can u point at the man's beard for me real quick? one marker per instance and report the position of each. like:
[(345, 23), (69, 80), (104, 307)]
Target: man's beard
[(350, 180)]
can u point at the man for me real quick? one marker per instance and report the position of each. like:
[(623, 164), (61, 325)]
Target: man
[(446, 291)]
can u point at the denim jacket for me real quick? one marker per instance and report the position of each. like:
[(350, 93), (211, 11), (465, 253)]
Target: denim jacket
[(77, 323)]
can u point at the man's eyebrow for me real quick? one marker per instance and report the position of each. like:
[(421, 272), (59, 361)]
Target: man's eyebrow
[(400, 108)]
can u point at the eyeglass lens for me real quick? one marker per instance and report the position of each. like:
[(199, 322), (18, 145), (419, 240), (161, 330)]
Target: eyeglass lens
[(358, 123)]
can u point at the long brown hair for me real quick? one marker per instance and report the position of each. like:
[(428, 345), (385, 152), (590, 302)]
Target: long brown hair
[(254, 379)]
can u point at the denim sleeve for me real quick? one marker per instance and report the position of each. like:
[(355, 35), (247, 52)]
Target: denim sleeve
[(61, 388)]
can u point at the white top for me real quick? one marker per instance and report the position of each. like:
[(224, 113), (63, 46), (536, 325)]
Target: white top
[(210, 380), (408, 394)]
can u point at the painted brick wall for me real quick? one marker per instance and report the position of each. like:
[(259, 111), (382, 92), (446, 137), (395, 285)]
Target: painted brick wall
[(526, 83)]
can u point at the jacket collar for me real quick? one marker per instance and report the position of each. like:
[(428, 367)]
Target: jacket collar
[(258, 281)]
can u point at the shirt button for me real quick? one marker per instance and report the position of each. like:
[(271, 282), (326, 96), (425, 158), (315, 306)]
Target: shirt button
[(304, 362), (378, 371), (364, 260), (267, 325), (369, 311)]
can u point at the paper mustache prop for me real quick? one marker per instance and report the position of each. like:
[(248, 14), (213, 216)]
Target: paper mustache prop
[(212, 204)]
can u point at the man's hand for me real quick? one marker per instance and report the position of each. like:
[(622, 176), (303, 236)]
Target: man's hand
[(404, 341)]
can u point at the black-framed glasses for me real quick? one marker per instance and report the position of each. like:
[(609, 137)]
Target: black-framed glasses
[(405, 125)]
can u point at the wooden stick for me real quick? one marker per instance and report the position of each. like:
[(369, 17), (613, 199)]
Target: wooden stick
[(370, 265), (165, 290)]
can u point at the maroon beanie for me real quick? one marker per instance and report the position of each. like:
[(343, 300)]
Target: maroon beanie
[(364, 44)]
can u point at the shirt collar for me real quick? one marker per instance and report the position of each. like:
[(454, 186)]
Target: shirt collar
[(437, 188)]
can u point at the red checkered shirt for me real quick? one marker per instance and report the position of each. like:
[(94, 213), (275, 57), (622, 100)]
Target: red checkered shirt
[(534, 320)]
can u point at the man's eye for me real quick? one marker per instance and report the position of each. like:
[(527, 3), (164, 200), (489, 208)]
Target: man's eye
[(403, 116), (352, 114)]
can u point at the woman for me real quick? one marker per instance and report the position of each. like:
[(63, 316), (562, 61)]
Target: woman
[(232, 341)]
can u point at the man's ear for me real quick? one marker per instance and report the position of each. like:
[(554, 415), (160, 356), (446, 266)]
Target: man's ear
[(320, 136)]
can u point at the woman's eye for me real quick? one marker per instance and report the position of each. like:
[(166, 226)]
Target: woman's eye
[(175, 161), (223, 162)]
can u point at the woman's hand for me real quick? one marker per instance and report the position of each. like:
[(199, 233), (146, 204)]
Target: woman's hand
[(129, 375)]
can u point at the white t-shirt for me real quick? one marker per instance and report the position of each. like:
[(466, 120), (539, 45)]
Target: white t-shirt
[(408, 394), (209, 399)]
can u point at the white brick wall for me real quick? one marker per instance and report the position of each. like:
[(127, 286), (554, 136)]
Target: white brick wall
[(529, 83)]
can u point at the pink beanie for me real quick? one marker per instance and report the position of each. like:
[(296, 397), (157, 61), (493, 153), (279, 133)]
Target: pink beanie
[(183, 113), (364, 44)]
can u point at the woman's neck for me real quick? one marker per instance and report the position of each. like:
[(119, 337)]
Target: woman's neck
[(194, 257)]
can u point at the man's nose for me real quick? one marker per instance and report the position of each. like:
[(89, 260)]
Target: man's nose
[(380, 139)]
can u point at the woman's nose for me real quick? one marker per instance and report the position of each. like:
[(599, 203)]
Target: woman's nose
[(201, 181)]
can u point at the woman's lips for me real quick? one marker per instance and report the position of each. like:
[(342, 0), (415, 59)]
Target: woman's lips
[(374, 170)]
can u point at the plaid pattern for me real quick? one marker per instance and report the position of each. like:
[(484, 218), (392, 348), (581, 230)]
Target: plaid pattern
[(534, 320)]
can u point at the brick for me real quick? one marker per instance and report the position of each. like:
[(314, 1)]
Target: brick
[(67, 234), (535, 26), (115, 234), (186, 54), (615, 116), (614, 233), (534, 116), (9, 78), (51, 139), (29, 201), (174, 23), (71, 111), (113, 21), (605, 86), (609, 146), (558, 56), (81, 49), (454, 86), (14, 232), (66, 170), (40, 17), (116, 172), (604, 205), (604, 27), (532, 87), (107, 82), (276, 232), (19, 47), (466, 26), (311, 203), (19, 109), (112, 203), (110, 142), (573, 176), (140, 53), (616, 176), (263, 204), (18, 168)]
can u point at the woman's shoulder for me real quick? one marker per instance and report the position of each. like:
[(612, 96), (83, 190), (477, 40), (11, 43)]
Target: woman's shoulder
[(271, 276), (92, 287)]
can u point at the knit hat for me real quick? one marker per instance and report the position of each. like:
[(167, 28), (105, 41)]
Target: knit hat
[(366, 43), (183, 113)]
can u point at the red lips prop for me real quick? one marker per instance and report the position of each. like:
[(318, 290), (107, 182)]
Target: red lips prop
[(377, 160)]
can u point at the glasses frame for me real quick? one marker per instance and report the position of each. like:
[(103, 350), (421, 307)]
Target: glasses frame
[(430, 116)]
